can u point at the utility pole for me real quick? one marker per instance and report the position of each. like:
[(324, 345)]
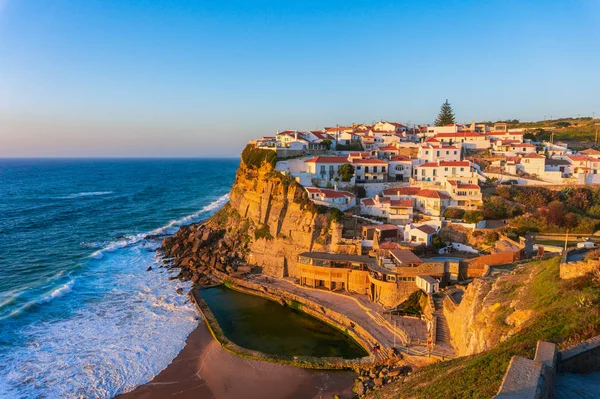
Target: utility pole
[(566, 239)]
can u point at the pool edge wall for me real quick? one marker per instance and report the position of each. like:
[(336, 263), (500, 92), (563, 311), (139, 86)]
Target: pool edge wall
[(336, 320)]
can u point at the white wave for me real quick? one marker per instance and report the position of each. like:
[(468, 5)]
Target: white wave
[(169, 228), (85, 194), (58, 292), (134, 329)]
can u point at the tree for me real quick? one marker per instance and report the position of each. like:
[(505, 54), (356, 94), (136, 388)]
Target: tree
[(327, 143), (446, 115), (346, 171), (556, 213)]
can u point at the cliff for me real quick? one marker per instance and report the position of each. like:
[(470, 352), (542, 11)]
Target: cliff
[(492, 309), (267, 222)]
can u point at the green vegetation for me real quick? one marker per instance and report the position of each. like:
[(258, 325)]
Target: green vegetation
[(327, 143), (254, 157), (454, 213), (263, 232), (437, 242), (414, 304), (473, 216), (446, 115), (549, 211), (353, 146), (565, 312), (496, 208), (346, 171)]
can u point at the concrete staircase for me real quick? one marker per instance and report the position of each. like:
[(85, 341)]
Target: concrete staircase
[(443, 346), (442, 332)]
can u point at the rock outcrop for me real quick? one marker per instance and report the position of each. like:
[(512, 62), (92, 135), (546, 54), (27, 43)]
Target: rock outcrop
[(491, 310), (267, 222)]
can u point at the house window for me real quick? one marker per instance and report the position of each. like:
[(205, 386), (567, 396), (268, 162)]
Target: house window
[(374, 169), (426, 153), (435, 172), (462, 169), (366, 169), (438, 153), (322, 169), (358, 168), (454, 152), (383, 169), (445, 169), (422, 172)]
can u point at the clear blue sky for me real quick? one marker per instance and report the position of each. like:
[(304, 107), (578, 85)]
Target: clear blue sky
[(182, 78)]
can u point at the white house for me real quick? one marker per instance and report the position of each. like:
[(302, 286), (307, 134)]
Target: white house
[(325, 167), (468, 139), (428, 284), (534, 164), (431, 151), (516, 136), (384, 126), (437, 171), (464, 194), (419, 234), (370, 170), (400, 168), (341, 200)]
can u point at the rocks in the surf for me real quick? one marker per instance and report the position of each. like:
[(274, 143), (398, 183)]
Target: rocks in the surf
[(359, 388), (149, 268)]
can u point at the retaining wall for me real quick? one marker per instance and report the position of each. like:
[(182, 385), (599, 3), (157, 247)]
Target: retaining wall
[(570, 270)]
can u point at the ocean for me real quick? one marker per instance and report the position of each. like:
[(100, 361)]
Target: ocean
[(80, 314)]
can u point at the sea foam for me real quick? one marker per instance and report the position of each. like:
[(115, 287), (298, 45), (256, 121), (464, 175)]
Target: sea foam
[(169, 228), (121, 326)]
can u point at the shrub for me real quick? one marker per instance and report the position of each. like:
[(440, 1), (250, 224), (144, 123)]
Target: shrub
[(473, 216), (454, 213), (254, 157), (346, 171), (263, 232)]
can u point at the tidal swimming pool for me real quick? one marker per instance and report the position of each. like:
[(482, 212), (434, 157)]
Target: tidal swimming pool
[(259, 324)]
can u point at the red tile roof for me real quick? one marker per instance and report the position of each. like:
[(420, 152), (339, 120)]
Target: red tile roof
[(368, 201), (327, 159), (400, 158), (401, 203), (408, 191), (427, 193)]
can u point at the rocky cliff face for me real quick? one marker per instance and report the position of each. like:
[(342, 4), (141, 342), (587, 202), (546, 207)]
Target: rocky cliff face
[(492, 309), (267, 223)]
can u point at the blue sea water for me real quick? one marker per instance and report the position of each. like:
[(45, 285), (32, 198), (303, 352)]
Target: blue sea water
[(80, 315)]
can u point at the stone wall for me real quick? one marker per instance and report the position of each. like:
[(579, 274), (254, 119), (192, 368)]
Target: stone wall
[(570, 270), (531, 379), (391, 294), (581, 358)]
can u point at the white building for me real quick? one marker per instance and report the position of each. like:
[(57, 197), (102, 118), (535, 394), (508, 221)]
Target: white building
[(438, 171), (370, 170), (400, 168), (468, 139), (325, 167), (341, 200), (428, 284)]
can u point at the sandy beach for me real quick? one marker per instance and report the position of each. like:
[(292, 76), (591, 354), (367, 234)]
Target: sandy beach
[(205, 370)]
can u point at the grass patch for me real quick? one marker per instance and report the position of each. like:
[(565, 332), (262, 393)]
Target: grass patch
[(558, 318)]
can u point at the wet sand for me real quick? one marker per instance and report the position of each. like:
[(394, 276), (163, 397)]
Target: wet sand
[(205, 370)]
